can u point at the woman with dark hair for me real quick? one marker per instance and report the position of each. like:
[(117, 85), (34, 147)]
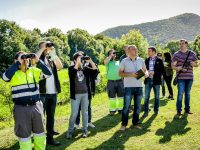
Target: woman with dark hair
[(168, 73)]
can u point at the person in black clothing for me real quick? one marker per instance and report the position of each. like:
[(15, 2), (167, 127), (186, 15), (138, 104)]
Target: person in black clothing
[(155, 69), (50, 87), (160, 55), (168, 73), (125, 54), (93, 87), (80, 90)]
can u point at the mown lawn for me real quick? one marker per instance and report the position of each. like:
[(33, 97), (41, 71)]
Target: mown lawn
[(158, 132)]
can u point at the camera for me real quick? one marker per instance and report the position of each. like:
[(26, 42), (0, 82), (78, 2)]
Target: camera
[(27, 56), (49, 44), (188, 64)]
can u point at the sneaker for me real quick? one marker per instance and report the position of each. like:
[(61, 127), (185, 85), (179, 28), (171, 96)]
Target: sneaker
[(85, 134), (136, 126), (77, 126), (123, 128), (112, 113), (69, 135), (91, 125)]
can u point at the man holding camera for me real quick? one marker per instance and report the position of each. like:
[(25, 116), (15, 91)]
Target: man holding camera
[(28, 109), (80, 90), (50, 87), (115, 86), (183, 62)]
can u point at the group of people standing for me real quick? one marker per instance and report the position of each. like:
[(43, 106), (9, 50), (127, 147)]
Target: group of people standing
[(125, 87), (35, 84)]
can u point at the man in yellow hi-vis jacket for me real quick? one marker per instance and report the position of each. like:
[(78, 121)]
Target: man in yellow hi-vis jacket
[(28, 110)]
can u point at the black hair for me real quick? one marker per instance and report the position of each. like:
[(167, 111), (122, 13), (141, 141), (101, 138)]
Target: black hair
[(167, 56), (153, 49), (77, 54), (110, 52), (17, 54)]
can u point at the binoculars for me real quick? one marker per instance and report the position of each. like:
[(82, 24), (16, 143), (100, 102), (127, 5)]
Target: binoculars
[(49, 44), (85, 58), (28, 56)]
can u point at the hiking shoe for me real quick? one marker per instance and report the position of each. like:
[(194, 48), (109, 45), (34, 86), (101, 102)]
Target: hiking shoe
[(77, 126)]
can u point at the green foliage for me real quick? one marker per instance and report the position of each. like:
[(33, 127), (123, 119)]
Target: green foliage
[(196, 46), (134, 37)]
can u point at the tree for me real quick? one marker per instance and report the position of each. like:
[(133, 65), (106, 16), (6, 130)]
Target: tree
[(173, 46), (134, 37), (196, 46), (11, 41)]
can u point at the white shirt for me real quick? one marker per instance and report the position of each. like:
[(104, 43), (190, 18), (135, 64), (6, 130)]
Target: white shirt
[(50, 82)]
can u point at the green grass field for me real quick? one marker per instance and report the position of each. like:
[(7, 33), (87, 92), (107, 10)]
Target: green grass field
[(158, 132)]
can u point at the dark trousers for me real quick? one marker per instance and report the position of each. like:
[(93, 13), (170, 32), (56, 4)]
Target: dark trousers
[(49, 103), (89, 113), (129, 94), (168, 80)]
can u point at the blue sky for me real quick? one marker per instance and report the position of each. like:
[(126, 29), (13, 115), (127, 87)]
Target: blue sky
[(92, 15)]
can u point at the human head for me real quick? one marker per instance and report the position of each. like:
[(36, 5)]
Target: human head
[(151, 51), (132, 51), (126, 50), (183, 44), (112, 52), (167, 56), (19, 57), (42, 45), (77, 55), (159, 55)]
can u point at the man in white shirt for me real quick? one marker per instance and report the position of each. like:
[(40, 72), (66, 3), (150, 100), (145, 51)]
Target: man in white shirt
[(50, 87)]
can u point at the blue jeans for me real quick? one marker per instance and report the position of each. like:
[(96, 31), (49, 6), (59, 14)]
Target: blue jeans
[(80, 99), (184, 86), (156, 88), (89, 114), (136, 94)]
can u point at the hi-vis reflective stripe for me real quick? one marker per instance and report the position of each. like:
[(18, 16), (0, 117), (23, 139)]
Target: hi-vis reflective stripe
[(5, 78), (24, 86), (25, 94), (39, 134), (24, 139)]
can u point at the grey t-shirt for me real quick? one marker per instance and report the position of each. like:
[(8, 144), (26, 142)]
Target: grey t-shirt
[(80, 83), (132, 66)]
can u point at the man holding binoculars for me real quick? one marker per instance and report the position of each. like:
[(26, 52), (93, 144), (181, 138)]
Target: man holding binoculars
[(80, 90), (115, 86), (50, 87), (28, 109)]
